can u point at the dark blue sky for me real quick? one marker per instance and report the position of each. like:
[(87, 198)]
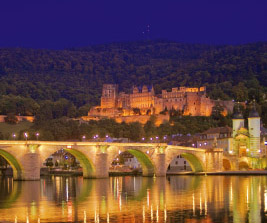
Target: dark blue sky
[(70, 23)]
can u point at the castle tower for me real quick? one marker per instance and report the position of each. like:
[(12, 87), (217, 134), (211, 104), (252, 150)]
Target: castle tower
[(109, 96), (254, 131)]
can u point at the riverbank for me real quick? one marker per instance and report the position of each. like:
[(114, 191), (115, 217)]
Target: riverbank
[(46, 172), (240, 172)]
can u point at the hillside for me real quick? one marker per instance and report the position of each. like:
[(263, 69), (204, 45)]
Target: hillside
[(229, 72)]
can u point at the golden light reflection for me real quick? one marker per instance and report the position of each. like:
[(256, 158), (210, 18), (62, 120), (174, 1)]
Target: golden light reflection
[(121, 199), (265, 201), (157, 214), (151, 213), (193, 200), (144, 214), (84, 217), (165, 214), (200, 204)]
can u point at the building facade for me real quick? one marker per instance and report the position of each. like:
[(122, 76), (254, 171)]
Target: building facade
[(143, 101)]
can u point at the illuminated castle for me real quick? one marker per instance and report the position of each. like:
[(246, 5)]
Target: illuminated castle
[(143, 102)]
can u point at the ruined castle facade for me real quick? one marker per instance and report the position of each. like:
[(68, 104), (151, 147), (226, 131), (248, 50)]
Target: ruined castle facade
[(143, 101)]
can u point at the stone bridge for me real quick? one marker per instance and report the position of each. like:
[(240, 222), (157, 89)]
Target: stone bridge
[(27, 157)]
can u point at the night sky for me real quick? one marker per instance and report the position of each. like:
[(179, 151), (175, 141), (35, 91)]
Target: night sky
[(61, 24)]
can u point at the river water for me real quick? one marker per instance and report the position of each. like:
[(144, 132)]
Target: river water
[(135, 199)]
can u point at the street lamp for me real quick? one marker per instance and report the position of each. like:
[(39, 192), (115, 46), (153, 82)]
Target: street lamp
[(96, 137), (26, 135), (164, 138), (265, 143), (84, 137), (37, 135), (14, 136)]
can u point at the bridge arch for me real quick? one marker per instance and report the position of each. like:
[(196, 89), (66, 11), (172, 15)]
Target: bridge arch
[(227, 165), (243, 165), (148, 166), (86, 163), (14, 163), (194, 161)]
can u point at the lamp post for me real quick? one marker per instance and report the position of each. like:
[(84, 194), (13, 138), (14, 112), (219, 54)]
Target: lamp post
[(37, 135), (83, 138), (265, 143), (14, 136), (164, 138), (26, 135), (96, 137)]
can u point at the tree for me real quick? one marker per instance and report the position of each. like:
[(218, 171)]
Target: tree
[(11, 118)]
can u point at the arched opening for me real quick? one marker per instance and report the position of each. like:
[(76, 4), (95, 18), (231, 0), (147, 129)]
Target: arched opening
[(226, 165), (185, 162), (243, 165), (16, 167), (70, 161), (132, 162)]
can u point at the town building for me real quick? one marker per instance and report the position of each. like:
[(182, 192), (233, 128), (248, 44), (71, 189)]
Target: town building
[(179, 164), (239, 140), (247, 141), (220, 136)]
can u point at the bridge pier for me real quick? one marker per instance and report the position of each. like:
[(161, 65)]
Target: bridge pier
[(101, 166), (160, 170), (31, 167), (213, 160)]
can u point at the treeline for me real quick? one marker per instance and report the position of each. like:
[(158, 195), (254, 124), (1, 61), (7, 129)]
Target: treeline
[(30, 79), (52, 123), (65, 128), (229, 72)]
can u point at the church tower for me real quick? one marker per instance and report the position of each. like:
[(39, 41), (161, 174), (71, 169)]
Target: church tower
[(254, 131), (238, 121)]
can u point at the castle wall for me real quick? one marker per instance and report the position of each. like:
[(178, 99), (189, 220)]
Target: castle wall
[(142, 100), (160, 119), (192, 101)]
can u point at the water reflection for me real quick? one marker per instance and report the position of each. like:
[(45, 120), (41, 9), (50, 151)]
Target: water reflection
[(135, 199)]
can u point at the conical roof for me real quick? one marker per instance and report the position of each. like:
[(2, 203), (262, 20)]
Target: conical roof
[(238, 114), (253, 112)]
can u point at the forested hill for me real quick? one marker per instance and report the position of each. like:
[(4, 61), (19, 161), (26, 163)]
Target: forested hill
[(229, 72)]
